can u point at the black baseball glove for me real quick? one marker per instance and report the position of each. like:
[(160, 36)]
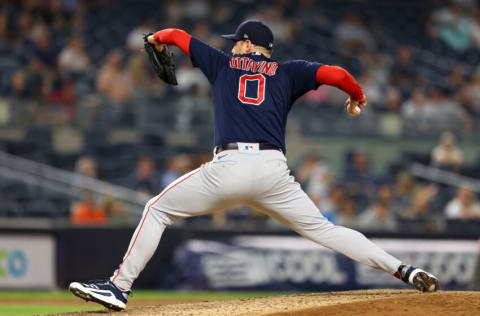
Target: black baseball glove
[(162, 62)]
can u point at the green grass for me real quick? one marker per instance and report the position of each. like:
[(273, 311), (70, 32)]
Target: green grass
[(52, 295), (18, 309), (27, 310)]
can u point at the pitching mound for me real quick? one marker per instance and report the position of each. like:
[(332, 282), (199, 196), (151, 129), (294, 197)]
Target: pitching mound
[(368, 302)]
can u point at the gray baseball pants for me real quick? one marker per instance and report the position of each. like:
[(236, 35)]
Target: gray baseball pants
[(259, 176)]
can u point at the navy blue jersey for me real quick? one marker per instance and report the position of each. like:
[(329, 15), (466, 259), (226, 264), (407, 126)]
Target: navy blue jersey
[(252, 94)]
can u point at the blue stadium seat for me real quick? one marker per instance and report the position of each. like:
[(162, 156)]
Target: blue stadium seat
[(9, 208), (38, 208)]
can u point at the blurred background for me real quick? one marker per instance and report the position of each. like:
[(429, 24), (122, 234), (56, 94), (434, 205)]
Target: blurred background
[(88, 134)]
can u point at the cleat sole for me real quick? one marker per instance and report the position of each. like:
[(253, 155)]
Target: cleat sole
[(426, 283), (87, 297)]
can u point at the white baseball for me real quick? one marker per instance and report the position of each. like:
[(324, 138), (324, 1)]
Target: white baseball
[(357, 109)]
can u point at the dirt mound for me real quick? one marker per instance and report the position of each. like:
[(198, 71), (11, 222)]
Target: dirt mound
[(369, 302)]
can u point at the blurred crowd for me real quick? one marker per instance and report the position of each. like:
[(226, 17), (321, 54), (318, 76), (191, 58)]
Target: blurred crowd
[(146, 179), (358, 197), (366, 200), (78, 64)]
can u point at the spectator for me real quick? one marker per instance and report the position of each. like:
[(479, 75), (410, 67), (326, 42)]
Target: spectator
[(73, 58), (451, 25), (470, 95), (415, 116), (42, 46), (19, 88), (116, 212), (196, 9), (464, 206), (23, 26), (347, 215), (378, 64), (352, 36), (202, 31), (135, 37), (274, 16), (140, 76), (316, 98), (372, 88), (445, 113), (112, 81), (145, 179), (173, 9), (223, 13), (475, 28), (59, 21), (403, 71), (331, 206), (37, 88), (455, 82), (63, 95), (315, 177), (87, 212), (85, 168), (192, 105), (421, 205), (174, 168), (390, 123), (4, 43), (404, 190), (446, 154), (40, 78), (189, 77), (358, 178), (308, 13), (78, 19), (19, 98), (201, 157), (380, 215)]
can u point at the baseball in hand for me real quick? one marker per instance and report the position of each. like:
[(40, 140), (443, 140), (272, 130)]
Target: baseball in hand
[(352, 111)]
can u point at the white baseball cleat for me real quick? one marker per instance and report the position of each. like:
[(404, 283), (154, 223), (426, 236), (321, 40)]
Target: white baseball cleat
[(103, 292), (418, 278)]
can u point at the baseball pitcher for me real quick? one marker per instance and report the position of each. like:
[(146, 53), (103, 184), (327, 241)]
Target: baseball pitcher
[(252, 95)]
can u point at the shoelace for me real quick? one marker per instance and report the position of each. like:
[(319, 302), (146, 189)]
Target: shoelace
[(104, 281), (108, 282)]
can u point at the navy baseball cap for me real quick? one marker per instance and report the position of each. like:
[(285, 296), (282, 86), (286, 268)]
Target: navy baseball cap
[(255, 31)]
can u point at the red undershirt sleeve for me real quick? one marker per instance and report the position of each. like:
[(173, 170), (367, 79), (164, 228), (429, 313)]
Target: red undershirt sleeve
[(340, 78), (176, 37)]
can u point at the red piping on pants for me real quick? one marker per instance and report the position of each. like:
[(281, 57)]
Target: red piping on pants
[(146, 214)]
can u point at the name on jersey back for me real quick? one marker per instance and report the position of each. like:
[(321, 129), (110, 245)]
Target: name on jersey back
[(248, 64)]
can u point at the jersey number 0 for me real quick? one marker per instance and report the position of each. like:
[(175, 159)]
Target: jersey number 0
[(259, 80)]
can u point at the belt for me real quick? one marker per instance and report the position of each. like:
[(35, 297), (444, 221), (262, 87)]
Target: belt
[(227, 146)]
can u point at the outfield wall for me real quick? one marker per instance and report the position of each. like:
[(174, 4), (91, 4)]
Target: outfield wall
[(27, 261), (223, 260), (297, 264)]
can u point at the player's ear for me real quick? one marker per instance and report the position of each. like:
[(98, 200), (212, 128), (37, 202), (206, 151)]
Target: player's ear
[(249, 46)]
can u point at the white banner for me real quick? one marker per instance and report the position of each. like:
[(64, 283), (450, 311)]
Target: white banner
[(295, 263), (27, 261)]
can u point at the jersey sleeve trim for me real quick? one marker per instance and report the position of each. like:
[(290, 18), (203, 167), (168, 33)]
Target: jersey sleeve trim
[(176, 37), (340, 78)]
